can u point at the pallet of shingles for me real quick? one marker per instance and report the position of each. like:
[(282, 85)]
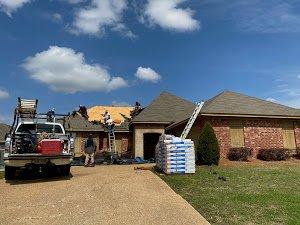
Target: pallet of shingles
[(175, 155)]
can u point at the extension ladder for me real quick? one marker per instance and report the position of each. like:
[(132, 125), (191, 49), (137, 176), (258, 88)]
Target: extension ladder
[(112, 142), (192, 120)]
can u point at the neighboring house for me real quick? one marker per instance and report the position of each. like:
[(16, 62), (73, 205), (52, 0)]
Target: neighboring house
[(4, 129), (80, 128), (238, 121)]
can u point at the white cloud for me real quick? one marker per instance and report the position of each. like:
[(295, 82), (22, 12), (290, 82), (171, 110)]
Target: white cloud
[(3, 94), (117, 103), (74, 1), (169, 15), (9, 6), (57, 18), (256, 16), (124, 31), (64, 70), (271, 99), (273, 16), (99, 16), (147, 74)]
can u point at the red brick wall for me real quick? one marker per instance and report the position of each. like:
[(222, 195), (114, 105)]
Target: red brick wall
[(258, 133), (297, 134), (222, 131), (263, 134)]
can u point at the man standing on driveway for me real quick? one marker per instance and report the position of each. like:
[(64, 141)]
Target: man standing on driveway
[(89, 150)]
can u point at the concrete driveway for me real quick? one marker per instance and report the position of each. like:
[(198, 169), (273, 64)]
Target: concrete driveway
[(99, 195)]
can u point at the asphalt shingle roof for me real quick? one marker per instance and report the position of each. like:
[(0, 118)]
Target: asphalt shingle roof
[(78, 123), (166, 108), (233, 103)]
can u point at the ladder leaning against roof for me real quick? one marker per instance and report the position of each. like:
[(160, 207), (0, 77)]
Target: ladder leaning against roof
[(192, 120), (112, 142)]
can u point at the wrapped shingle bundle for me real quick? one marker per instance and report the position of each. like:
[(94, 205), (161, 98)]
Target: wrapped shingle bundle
[(175, 155)]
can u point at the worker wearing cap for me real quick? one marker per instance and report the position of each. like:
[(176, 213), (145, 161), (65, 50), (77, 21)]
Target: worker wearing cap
[(89, 150)]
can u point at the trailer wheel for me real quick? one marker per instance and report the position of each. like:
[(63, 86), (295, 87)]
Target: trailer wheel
[(9, 172)]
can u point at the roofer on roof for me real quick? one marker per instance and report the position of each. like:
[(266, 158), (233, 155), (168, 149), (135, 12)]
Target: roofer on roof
[(106, 117)]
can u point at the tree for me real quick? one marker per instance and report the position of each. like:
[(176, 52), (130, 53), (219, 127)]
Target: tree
[(208, 150)]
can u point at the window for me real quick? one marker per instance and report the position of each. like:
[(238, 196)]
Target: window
[(237, 139), (288, 135), (39, 128)]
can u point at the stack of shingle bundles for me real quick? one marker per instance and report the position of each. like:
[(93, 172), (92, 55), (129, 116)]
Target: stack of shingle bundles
[(175, 155)]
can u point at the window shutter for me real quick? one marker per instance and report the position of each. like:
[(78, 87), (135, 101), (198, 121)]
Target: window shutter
[(288, 135), (237, 139)]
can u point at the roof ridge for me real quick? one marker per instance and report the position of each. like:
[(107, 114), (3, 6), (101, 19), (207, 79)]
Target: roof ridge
[(263, 100), (176, 96), (166, 99), (209, 101)]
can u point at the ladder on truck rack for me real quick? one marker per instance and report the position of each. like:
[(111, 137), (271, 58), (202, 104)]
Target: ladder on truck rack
[(27, 108), (192, 120)]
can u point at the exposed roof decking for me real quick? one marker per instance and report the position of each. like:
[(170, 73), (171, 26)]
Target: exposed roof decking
[(95, 113)]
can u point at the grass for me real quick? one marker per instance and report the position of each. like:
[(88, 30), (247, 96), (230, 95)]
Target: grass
[(252, 194), (1, 175)]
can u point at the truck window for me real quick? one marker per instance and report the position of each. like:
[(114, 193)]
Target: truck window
[(26, 128), (39, 128), (48, 128)]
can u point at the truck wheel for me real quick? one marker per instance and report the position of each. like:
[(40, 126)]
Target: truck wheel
[(9, 172), (65, 170)]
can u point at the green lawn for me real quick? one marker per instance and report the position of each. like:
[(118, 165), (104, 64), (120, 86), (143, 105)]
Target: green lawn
[(1, 175), (252, 194)]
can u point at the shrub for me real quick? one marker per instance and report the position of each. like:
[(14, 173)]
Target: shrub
[(297, 155), (239, 154), (273, 154), (208, 150)]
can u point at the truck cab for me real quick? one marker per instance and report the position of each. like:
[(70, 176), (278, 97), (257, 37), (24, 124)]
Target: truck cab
[(37, 142)]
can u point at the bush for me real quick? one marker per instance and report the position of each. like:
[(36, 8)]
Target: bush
[(297, 155), (273, 154), (208, 150), (239, 154)]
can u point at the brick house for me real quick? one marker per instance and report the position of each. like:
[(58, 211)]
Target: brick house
[(80, 128), (238, 121)]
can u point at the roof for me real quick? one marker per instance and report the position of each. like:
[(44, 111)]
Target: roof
[(4, 129), (95, 113), (232, 103), (78, 123), (166, 108)]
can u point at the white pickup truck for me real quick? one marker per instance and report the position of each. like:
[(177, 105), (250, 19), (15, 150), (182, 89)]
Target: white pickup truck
[(37, 144)]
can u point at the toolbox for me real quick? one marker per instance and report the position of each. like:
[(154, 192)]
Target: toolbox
[(51, 147)]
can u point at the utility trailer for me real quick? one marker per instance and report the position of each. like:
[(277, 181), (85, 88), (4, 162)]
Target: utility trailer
[(37, 141)]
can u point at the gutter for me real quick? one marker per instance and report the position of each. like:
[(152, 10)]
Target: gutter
[(234, 115)]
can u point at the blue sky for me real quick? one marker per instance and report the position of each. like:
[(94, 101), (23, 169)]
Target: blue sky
[(103, 52)]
